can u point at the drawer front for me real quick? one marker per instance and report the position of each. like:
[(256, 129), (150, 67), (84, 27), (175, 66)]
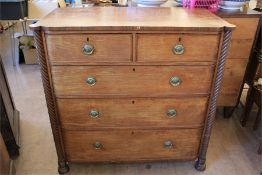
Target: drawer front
[(167, 47), (86, 113), (131, 145), (98, 48), (132, 81)]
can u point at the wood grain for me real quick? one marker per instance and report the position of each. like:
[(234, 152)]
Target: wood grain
[(131, 96), (136, 81), (108, 48), (233, 75), (200, 164), (131, 18), (131, 145), (50, 100), (155, 63), (242, 13), (240, 48), (245, 27), (227, 99), (149, 112), (158, 47), (231, 82), (239, 51)]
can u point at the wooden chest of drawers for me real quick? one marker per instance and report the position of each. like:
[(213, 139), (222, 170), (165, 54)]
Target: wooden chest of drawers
[(131, 84), (238, 56)]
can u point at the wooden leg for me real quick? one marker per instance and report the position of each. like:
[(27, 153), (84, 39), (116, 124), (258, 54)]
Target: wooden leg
[(248, 107), (228, 111), (63, 167), (200, 164), (201, 161), (258, 119), (51, 105)]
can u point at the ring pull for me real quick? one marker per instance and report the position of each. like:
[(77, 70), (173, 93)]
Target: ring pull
[(175, 81), (178, 49)]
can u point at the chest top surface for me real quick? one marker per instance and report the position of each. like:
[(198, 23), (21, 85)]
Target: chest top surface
[(131, 18)]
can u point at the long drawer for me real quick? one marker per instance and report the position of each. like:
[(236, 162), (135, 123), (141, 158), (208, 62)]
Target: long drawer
[(131, 145), (139, 81), (176, 47), (76, 48), (146, 112)]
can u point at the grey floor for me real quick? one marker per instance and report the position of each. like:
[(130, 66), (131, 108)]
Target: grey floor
[(232, 149)]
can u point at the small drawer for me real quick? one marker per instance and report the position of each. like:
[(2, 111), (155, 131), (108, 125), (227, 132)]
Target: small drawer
[(89, 48), (177, 47), (177, 112), (131, 145), (135, 81)]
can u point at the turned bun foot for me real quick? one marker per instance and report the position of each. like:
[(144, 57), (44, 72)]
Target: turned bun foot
[(63, 168), (200, 165)]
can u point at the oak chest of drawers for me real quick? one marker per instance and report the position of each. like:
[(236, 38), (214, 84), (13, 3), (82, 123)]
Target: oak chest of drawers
[(241, 46), (131, 84)]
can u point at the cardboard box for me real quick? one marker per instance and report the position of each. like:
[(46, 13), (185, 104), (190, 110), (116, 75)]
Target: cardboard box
[(30, 56)]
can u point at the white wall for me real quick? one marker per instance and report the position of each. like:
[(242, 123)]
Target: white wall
[(39, 8)]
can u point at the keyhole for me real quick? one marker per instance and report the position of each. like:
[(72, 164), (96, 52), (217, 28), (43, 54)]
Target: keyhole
[(133, 102), (179, 39), (132, 132), (87, 39), (134, 69)]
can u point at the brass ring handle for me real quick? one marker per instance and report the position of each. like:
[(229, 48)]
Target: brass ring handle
[(88, 49), (178, 49), (94, 113), (90, 80), (98, 145), (171, 113), (175, 81), (168, 144)]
